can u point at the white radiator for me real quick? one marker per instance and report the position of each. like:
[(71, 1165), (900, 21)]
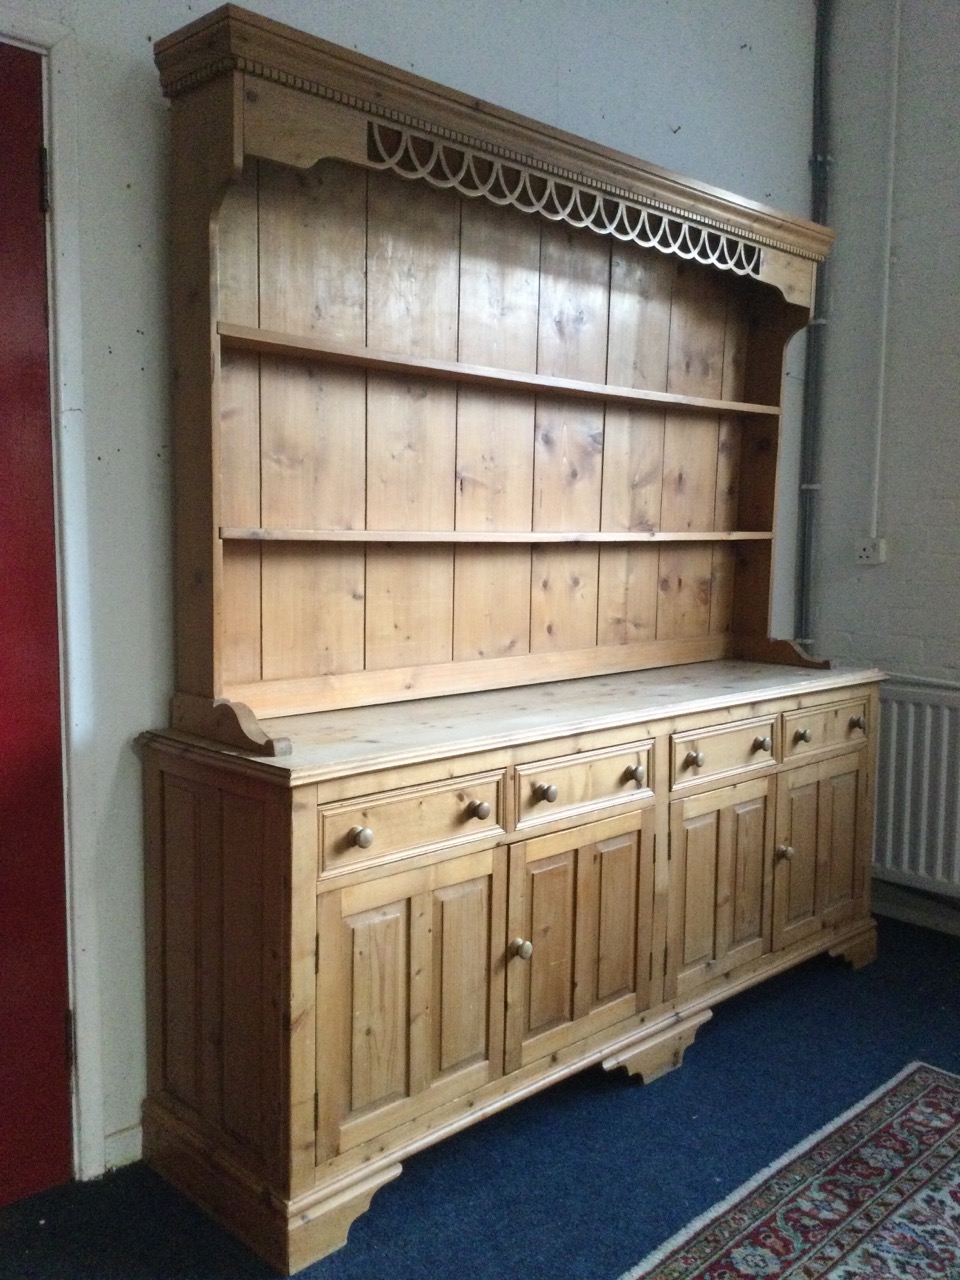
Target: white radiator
[(918, 787)]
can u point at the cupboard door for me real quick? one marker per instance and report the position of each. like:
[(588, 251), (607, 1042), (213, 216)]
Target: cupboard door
[(822, 846), (720, 883), (410, 995), (579, 935)]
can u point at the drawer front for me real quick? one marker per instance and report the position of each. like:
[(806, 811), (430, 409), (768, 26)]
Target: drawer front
[(375, 828), (583, 783), (724, 751), (837, 725)]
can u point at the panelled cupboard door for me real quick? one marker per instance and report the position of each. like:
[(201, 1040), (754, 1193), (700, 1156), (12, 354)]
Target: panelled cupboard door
[(409, 995), (822, 846), (579, 955), (720, 898)]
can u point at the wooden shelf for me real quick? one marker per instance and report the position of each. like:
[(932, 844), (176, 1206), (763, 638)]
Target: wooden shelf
[(474, 537), (267, 342)]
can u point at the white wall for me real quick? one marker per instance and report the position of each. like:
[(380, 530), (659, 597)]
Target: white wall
[(891, 456), (720, 92)]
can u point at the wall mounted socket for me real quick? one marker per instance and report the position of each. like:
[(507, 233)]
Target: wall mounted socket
[(870, 551)]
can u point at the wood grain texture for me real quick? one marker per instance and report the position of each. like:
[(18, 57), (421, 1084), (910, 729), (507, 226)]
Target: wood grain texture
[(563, 606), (428, 445), (313, 610), (628, 595), (400, 593), (312, 446), (312, 233), (494, 462), (499, 287), (491, 602), (413, 257)]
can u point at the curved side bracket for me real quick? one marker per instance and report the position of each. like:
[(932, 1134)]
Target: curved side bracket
[(782, 652), (232, 723)]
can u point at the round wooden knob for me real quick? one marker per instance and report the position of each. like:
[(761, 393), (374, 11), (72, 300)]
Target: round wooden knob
[(545, 791), (695, 759), (803, 735), (637, 773), (785, 851), (859, 722), (763, 744), (478, 809), (522, 948), (362, 837)]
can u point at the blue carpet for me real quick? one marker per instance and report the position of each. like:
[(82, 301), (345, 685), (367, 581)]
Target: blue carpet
[(579, 1182)]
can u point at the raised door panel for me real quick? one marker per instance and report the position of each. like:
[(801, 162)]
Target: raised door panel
[(720, 911), (410, 995), (843, 856), (218, 925), (822, 846), (795, 881), (584, 904)]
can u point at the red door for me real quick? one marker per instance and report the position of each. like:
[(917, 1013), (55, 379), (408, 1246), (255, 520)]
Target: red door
[(35, 1131)]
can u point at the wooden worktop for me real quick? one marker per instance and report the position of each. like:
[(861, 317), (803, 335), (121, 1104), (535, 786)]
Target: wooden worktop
[(330, 743)]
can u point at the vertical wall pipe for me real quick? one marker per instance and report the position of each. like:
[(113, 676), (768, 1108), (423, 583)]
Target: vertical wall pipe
[(887, 259), (813, 373)]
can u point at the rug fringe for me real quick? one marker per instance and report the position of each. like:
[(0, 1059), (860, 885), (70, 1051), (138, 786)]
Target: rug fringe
[(658, 1254)]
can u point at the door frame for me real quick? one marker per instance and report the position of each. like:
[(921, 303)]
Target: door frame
[(58, 48)]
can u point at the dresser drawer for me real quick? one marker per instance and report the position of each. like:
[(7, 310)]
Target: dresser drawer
[(582, 783), (698, 755), (414, 819), (836, 725)]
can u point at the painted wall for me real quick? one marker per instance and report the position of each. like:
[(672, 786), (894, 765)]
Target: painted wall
[(891, 444), (720, 92)]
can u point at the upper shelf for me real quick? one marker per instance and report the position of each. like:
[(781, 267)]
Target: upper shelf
[(266, 342), (535, 537)]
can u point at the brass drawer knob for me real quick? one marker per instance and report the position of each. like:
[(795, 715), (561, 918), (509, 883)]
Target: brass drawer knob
[(803, 735), (545, 791), (522, 948), (763, 744), (786, 852), (478, 809), (362, 837), (694, 760), (859, 722), (637, 773)]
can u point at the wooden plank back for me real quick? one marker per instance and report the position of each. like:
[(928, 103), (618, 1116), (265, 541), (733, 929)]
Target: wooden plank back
[(371, 261)]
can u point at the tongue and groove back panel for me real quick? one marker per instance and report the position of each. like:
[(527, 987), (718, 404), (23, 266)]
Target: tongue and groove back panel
[(311, 450), (462, 402)]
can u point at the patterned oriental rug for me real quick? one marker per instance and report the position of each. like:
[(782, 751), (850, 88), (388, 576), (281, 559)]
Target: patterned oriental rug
[(873, 1196)]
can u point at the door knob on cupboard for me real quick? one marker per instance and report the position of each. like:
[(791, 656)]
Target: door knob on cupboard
[(362, 837), (478, 809), (521, 947), (545, 791), (694, 759), (637, 773), (858, 722), (785, 851), (803, 735), (763, 744)]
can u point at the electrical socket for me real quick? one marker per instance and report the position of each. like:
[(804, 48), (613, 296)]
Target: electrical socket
[(870, 551)]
